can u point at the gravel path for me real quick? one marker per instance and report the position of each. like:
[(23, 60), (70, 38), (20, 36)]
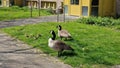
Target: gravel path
[(10, 23), (16, 54)]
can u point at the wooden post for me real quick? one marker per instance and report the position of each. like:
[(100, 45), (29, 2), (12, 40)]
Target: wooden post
[(63, 13), (39, 6), (57, 15), (31, 8), (57, 9)]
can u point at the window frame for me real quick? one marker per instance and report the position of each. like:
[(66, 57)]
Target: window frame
[(84, 10), (74, 2)]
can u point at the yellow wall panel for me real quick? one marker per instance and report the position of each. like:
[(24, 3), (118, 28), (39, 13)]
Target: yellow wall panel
[(66, 2), (103, 8), (85, 2), (76, 9), (108, 7), (18, 2)]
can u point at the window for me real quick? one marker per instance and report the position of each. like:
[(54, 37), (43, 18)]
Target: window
[(85, 10), (94, 11), (95, 2), (76, 2), (66, 9), (12, 2)]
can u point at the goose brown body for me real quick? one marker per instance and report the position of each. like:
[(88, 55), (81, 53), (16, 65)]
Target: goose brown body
[(58, 45), (63, 33)]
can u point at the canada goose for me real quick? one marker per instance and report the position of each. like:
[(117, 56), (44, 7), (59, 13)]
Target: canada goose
[(57, 44), (63, 33)]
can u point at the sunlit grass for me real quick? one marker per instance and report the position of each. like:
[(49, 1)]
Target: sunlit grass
[(95, 46), (10, 13)]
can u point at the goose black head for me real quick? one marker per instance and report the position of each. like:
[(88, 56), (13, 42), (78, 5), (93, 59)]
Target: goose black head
[(59, 27), (53, 34)]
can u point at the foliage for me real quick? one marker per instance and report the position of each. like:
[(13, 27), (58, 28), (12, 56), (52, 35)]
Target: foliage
[(50, 10), (95, 46), (101, 21), (15, 12)]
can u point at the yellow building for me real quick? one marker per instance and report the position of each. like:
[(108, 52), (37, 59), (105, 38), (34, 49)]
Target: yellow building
[(48, 4), (44, 3), (90, 7), (51, 4), (7, 3), (34, 3)]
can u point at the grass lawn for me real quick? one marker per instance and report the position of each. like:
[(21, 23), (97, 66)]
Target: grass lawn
[(95, 46), (9, 13)]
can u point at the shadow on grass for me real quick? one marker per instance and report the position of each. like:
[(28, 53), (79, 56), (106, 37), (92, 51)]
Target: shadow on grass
[(69, 53), (70, 39)]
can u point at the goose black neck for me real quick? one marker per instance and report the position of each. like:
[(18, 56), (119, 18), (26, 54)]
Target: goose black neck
[(60, 27), (53, 35)]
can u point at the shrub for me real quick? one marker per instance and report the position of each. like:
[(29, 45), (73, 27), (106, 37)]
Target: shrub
[(15, 7), (101, 21), (25, 8), (50, 10)]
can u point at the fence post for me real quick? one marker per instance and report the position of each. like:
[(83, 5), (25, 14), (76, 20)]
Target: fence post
[(57, 15), (31, 8), (39, 6), (64, 13)]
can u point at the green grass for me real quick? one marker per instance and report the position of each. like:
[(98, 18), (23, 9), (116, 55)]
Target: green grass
[(10, 13), (95, 46)]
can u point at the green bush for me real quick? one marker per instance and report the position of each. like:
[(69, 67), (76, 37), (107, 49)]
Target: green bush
[(15, 7), (50, 10), (101, 21), (25, 8), (4, 9)]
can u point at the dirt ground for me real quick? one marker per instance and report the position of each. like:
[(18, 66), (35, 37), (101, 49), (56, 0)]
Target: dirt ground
[(16, 54), (41, 19)]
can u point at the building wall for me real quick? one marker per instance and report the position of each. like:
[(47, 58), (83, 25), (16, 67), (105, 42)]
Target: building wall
[(66, 2), (118, 8), (85, 8), (85, 2), (8, 3), (5, 3), (76, 8), (66, 6), (46, 5), (18, 2), (107, 8), (33, 3)]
